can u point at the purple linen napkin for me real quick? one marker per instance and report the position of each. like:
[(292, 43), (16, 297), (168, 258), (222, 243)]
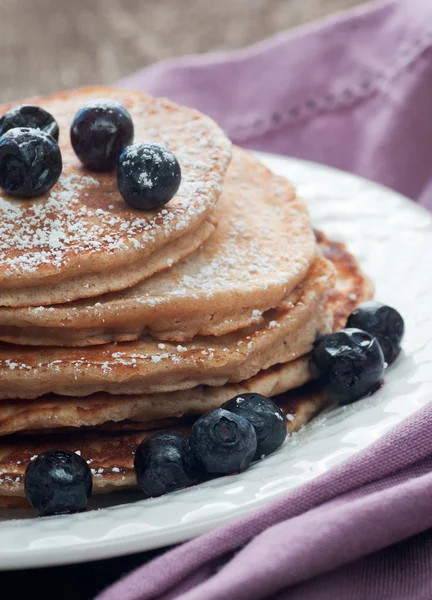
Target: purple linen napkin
[(321, 541), (353, 91)]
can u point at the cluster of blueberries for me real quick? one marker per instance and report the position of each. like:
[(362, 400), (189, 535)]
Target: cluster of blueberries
[(102, 133), (349, 364)]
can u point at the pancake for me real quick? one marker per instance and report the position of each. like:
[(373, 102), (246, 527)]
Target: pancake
[(144, 411), (119, 412), (81, 239), (261, 251), (148, 367), (353, 286), (110, 455)]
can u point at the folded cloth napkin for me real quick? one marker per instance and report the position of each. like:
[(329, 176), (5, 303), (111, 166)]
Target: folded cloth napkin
[(352, 533), (353, 91)]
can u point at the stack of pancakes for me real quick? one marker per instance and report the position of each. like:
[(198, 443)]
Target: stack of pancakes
[(114, 321)]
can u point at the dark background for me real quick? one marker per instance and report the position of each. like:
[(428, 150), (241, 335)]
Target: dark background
[(74, 582)]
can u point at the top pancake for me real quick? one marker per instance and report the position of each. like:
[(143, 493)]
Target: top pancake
[(81, 239), (262, 249)]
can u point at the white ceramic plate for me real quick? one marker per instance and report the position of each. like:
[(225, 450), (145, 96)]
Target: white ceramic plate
[(392, 238)]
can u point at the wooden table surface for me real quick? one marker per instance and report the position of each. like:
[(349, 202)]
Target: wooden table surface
[(47, 45)]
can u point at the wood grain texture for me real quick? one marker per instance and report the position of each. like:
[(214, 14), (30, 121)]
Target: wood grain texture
[(47, 45)]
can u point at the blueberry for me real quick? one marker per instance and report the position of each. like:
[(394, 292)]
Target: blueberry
[(30, 162), (223, 442), (266, 417), (164, 463), (349, 363), (100, 132), (58, 481), (383, 322), (29, 116), (148, 175)]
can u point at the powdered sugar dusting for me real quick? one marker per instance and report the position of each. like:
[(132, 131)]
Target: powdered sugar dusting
[(248, 248), (113, 358), (105, 103), (78, 216)]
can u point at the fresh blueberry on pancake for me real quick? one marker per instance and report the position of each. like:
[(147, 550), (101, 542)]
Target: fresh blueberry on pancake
[(164, 463), (58, 482), (30, 162), (100, 132), (349, 363), (383, 322), (30, 116), (223, 442), (266, 417), (148, 175)]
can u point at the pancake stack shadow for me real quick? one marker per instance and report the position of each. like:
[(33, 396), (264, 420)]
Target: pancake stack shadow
[(115, 322)]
